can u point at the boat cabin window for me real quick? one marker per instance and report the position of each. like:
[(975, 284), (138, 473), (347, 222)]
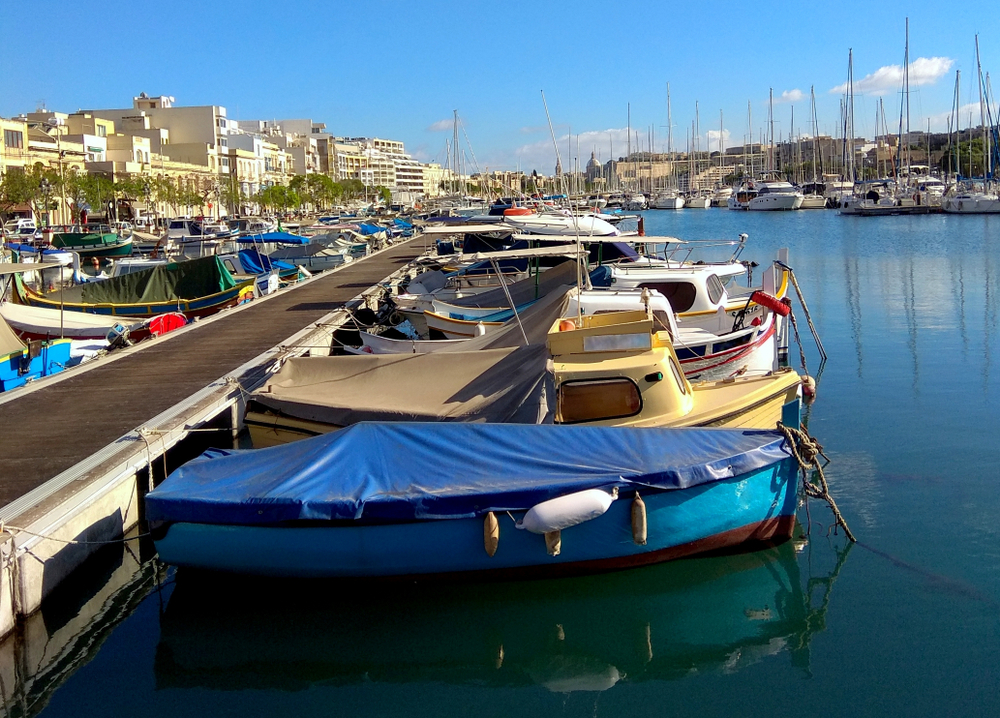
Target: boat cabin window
[(231, 267), (598, 399), (681, 295), (177, 225), (715, 288)]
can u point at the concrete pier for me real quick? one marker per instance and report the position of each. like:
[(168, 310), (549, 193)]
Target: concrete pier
[(80, 449)]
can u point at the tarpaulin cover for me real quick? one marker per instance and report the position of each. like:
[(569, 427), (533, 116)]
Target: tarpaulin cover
[(492, 385), (259, 263), (181, 280), (407, 471), (367, 228), (254, 261)]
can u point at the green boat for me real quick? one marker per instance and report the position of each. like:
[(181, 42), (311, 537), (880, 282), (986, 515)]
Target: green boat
[(93, 240)]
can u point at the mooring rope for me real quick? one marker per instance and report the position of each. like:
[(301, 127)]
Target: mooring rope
[(807, 451)]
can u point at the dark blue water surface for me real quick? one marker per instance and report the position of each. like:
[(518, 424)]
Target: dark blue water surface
[(906, 623)]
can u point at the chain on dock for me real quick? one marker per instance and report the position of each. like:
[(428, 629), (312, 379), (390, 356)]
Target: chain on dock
[(807, 452)]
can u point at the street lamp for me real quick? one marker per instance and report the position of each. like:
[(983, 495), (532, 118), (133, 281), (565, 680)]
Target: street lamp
[(57, 123)]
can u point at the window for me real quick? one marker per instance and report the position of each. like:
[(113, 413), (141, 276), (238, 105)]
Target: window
[(13, 139), (597, 399), (102, 131), (715, 289), (223, 142), (681, 295)]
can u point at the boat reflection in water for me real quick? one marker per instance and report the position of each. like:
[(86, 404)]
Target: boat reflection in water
[(584, 634)]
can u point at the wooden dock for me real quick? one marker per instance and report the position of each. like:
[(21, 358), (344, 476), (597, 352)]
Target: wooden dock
[(51, 429)]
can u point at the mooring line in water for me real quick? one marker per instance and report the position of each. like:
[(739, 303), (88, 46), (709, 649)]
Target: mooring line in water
[(807, 451), (8, 529), (951, 584)]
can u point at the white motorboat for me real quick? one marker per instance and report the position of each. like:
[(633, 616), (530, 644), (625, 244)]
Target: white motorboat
[(698, 201), (637, 202), (667, 199), (774, 195), (551, 223)]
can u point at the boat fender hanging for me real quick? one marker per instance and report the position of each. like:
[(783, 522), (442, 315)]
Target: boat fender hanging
[(565, 511), (773, 303), (638, 520), (808, 388), (553, 542), (491, 534)]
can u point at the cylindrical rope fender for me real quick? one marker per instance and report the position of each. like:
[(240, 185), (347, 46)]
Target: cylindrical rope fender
[(638, 520), (553, 542), (491, 534), (773, 303)]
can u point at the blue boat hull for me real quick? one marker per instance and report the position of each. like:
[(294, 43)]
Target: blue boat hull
[(17, 370), (752, 507)]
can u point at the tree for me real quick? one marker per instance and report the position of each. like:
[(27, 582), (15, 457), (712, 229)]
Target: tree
[(14, 189), (278, 198), (385, 194), (959, 160)]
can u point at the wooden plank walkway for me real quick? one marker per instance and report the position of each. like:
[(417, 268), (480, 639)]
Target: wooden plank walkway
[(51, 429)]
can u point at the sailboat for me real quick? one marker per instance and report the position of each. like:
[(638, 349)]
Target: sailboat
[(812, 195), (669, 197), (982, 198)]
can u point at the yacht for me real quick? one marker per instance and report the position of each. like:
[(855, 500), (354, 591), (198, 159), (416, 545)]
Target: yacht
[(667, 199)]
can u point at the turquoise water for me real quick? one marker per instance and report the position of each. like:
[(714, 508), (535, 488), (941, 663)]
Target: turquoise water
[(905, 623)]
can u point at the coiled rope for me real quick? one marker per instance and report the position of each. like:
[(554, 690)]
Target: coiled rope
[(807, 452)]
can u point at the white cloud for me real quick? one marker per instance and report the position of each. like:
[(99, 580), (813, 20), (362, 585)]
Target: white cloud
[(791, 96), (939, 121), (541, 155), (441, 126), (605, 144), (712, 140), (923, 71)]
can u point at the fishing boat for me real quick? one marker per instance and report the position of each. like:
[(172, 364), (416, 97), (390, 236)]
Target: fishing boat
[(195, 288), (22, 362), (93, 240), (381, 500)]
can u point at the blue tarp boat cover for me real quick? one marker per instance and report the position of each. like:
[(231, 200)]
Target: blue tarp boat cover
[(282, 237), (258, 263), (366, 228), (407, 471)]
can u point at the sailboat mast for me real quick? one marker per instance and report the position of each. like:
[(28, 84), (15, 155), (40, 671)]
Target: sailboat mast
[(812, 110), (982, 116), (770, 129), (906, 90)]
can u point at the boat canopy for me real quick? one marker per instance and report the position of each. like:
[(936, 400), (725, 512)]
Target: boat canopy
[(414, 471), (18, 267), (178, 280)]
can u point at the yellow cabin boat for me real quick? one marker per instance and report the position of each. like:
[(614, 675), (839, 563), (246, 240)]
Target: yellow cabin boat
[(613, 369)]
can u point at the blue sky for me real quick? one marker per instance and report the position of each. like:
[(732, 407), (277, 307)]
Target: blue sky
[(397, 70)]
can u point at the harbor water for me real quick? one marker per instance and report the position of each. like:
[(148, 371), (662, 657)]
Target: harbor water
[(904, 623)]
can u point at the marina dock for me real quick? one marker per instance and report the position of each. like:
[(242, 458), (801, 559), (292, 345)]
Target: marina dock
[(77, 447)]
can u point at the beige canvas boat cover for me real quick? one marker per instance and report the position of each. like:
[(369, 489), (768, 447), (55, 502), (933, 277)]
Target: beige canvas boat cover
[(508, 385), (9, 341)]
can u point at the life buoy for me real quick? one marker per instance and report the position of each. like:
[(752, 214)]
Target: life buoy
[(773, 303)]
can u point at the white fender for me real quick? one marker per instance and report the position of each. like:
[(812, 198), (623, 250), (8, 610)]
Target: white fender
[(565, 511)]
